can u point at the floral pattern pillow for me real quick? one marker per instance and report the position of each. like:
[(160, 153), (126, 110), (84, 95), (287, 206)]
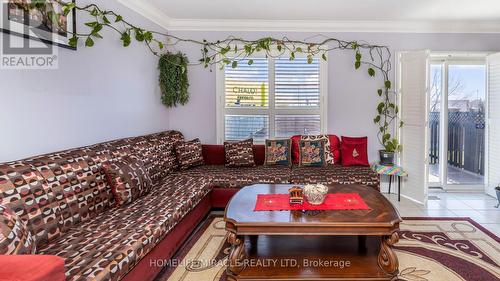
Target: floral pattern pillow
[(312, 153), (279, 152), (15, 237), (328, 152), (128, 179), (239, 154), (189, 154)]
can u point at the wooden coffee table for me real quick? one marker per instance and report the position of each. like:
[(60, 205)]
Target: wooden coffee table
[(311, 245)]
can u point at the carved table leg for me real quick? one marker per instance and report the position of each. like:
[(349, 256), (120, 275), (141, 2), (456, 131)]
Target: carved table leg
[(387, 259), (236, 256)]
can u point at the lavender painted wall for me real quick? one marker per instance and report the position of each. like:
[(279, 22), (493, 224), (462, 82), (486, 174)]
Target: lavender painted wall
[(97, 94), (352, 94)]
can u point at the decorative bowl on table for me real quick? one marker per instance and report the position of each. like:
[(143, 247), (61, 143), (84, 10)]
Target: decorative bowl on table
[(315, 193)]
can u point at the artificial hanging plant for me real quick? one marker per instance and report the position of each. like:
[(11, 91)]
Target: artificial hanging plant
[(173, 79), (231, 50)]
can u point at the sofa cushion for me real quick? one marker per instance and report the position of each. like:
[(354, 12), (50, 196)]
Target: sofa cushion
[(128, 179), (279, 152), (313, 152), (227, 177), (355, 151), (328, 149), (15, 237), (335, 174), (239, 154), (108, 246), (24, 190), (189, 154), (77, 182)]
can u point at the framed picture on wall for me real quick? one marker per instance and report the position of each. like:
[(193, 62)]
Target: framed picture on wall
[(33, 19)]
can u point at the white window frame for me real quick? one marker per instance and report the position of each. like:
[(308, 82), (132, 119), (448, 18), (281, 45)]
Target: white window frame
[(271, 110)]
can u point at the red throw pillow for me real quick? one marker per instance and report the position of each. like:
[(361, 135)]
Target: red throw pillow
[(295, 149), (355, 151), (334, 147)]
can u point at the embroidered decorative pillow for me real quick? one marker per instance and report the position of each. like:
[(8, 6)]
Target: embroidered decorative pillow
[(15, 237), (355, 151), (128, 179), (328, 151), (189, 154), (279, 152), (239, 154), (312, 153)]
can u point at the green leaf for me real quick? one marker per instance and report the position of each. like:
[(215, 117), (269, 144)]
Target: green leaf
[(94, 12), (106, 20), (292, 56), (125, 39), (279, 47), (118, 18), (139, 35), (250, 62), (357, 65), (89, 42), (91, 24), (73, 41), (148, 36), (371, 71), (234, 64), (298, 49), (161, 45), (323, 56), (386, 137), (388, 84), (379, 92), (358, 56), (380, 107), (309, 59), (401, 124), (377, 119)]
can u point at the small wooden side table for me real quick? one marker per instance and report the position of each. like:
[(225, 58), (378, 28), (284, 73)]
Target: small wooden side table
[(391, 171)]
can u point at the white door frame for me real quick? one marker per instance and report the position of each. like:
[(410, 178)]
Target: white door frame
[(445, 61)]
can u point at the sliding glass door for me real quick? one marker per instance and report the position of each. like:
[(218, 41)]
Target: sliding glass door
[(457, 124)]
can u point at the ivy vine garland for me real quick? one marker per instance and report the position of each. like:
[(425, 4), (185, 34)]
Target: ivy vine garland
[(232, 50), (173, 79)]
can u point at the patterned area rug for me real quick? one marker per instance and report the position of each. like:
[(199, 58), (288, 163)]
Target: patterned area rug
[(431, 249)]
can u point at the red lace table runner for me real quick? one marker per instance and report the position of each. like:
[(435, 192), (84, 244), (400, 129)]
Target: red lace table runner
[(336, 201)]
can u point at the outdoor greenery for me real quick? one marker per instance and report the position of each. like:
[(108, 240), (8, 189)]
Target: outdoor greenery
[(375, 59)]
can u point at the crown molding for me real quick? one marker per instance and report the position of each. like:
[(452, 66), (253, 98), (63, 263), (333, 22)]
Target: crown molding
[(334, 26), (151, 12), (148, 11)]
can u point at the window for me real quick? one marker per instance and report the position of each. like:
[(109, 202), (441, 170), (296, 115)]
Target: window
[(271, 98)]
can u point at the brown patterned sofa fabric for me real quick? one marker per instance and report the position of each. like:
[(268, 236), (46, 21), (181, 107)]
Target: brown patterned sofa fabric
[(107, 247), (69, 208), (15, 238), (189, 154), (239, 154), (335, 174), (127, 178), (226, 177)]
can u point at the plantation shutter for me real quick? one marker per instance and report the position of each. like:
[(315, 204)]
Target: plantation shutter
[(493, 124), (413, 87)]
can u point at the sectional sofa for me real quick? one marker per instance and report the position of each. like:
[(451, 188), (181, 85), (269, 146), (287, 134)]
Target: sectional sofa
[(69, 208)]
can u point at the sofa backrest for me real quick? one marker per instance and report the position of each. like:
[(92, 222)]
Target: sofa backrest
[(214, 154), (57, 191)]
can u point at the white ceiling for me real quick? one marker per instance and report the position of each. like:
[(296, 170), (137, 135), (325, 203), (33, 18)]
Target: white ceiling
[(390, 15)]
